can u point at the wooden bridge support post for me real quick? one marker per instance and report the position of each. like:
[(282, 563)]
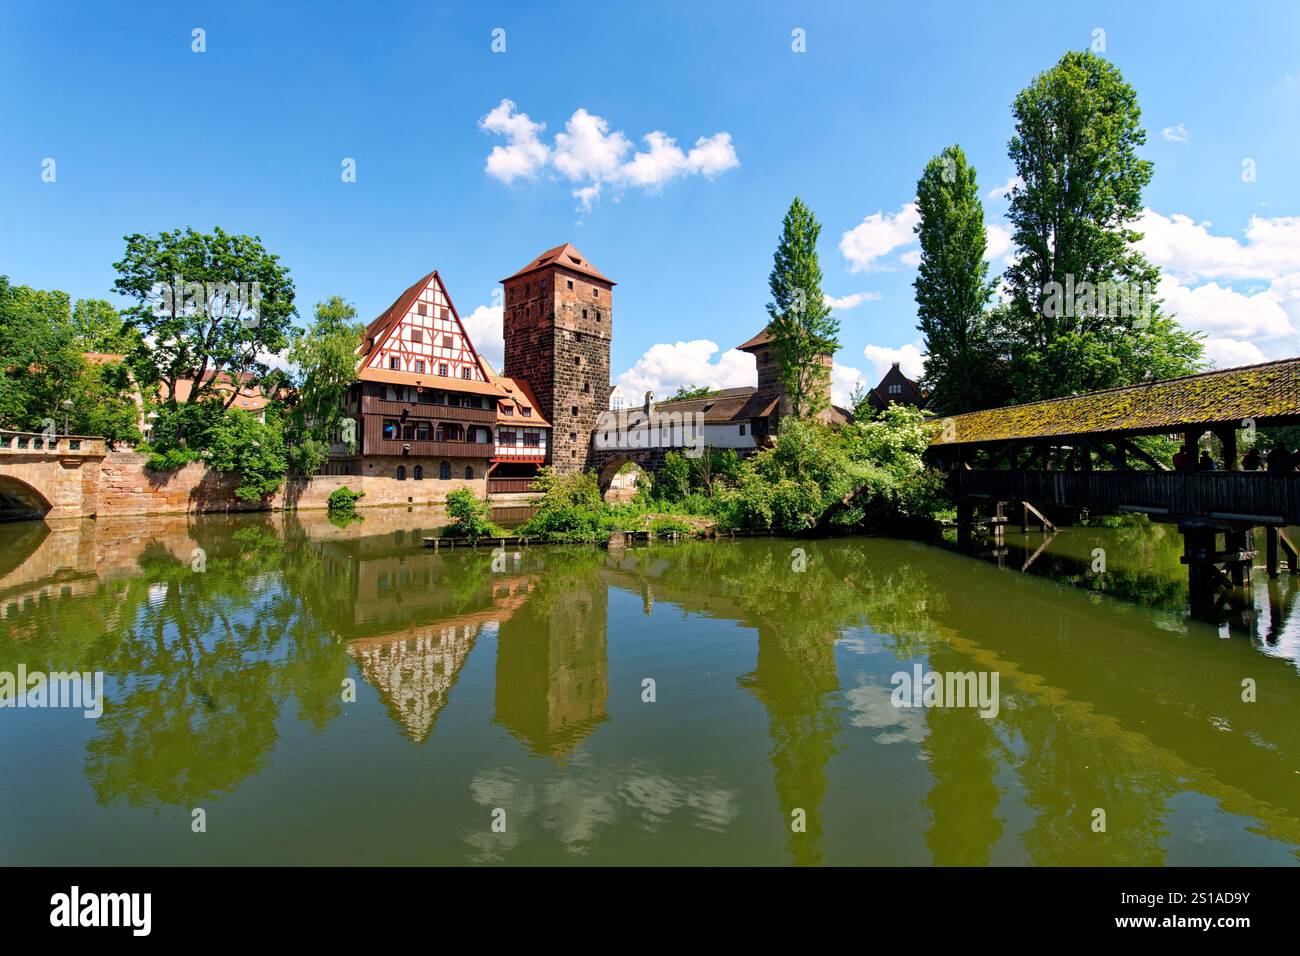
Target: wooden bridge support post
[(1199, 546), (965, 522), (1270, 551), (1240, 545)]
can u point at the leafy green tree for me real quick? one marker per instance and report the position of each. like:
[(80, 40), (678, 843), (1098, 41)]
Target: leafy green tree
[(802, 327), (691, 391), (471, 517), (953, 287), (42, 366), (207, 306), (98, 327), (324, 360), (1075, 152)]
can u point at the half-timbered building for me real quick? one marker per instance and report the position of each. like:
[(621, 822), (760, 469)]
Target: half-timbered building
[(427, 406)]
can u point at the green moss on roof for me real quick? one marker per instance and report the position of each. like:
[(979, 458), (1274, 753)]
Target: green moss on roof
[(1267, 391)]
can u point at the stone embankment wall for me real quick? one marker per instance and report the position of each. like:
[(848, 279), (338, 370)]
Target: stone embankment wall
[(126, 487)]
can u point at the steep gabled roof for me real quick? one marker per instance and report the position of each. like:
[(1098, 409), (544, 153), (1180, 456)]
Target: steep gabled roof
[(1266, 392), (378, 331), (379, 328), (565, 256)]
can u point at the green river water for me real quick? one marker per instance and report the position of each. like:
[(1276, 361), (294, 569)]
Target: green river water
[(495, 689)]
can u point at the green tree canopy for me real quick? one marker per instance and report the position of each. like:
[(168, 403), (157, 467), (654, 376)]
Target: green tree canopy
[(207, 305), (1075, 152), (802, 327), (953, 287)]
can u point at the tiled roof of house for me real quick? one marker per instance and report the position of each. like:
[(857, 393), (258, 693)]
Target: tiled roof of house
[(720, 408), (1268, 391), (378, 328), (567, 257), (519, 395)]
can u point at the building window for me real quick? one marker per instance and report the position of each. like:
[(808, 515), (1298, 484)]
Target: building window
[(895, 389), (469, 472), (417, 335), (507, 439), (742, 429), (526, 412), (508, 409), (394, 362), (419, 366), (446, 341), (423, 310), (442, 369), (401, 472), (465, 372), (444, 471), (577, 360), (598, 315), (570, 283), (573, 410), (595, 293), (391, 429), (419, 473), (584, 313), (586, 388), (532, 439)]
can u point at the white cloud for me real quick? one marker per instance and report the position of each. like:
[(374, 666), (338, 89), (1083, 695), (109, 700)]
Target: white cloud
[(1175, 134), (588, 153), (877, 236), (1202, 273), (909, 357), (997, 242), (845, 380), (1001, 192), (852, 301), (483, 326), (663, 368), (1227, 353), (524, 153)]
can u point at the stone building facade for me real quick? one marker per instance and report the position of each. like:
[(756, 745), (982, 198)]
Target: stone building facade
[(558, 323)]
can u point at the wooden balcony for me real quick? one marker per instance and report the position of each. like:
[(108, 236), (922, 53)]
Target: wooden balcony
[(430, 449), (370, 405)]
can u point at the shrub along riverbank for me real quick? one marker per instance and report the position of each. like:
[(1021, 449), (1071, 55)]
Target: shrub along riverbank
[(863, 477)]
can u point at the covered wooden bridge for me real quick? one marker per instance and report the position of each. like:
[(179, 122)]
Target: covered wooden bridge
[(1083, 452)]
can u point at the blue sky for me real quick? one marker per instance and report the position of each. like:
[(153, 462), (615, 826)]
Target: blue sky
[(251, 135)]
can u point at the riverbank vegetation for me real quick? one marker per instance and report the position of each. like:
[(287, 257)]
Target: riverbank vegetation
[(867, 476)]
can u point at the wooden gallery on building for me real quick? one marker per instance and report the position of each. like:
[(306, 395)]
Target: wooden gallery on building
[(427, 406)]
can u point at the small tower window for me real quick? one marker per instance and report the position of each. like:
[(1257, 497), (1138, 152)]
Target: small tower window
[(570, 283)]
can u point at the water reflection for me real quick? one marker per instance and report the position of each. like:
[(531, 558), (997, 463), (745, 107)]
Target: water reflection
[(219, 634)]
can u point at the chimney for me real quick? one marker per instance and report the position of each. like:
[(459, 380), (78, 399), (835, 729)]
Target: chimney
[(649, 402)]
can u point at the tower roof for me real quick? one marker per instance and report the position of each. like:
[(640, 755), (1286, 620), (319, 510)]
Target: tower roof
[(761, 339), (566, 257)]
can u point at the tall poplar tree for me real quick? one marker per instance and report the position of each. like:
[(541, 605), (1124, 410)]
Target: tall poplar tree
[(953, 288), (802, 327), (1075, 152)]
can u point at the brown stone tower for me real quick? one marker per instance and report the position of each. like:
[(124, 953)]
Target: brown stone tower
[(768, 364), (558, 321)]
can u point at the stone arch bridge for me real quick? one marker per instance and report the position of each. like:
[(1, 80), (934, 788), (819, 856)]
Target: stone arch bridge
[(48, 476)]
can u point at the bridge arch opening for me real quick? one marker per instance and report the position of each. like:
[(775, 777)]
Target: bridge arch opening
[(619, 478), (19, 501)]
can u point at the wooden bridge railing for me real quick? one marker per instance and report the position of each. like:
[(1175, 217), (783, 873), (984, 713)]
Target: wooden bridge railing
[(27, 443), (1258, 497)]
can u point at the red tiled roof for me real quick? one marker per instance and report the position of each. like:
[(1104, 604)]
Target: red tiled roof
[(566, 257)]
